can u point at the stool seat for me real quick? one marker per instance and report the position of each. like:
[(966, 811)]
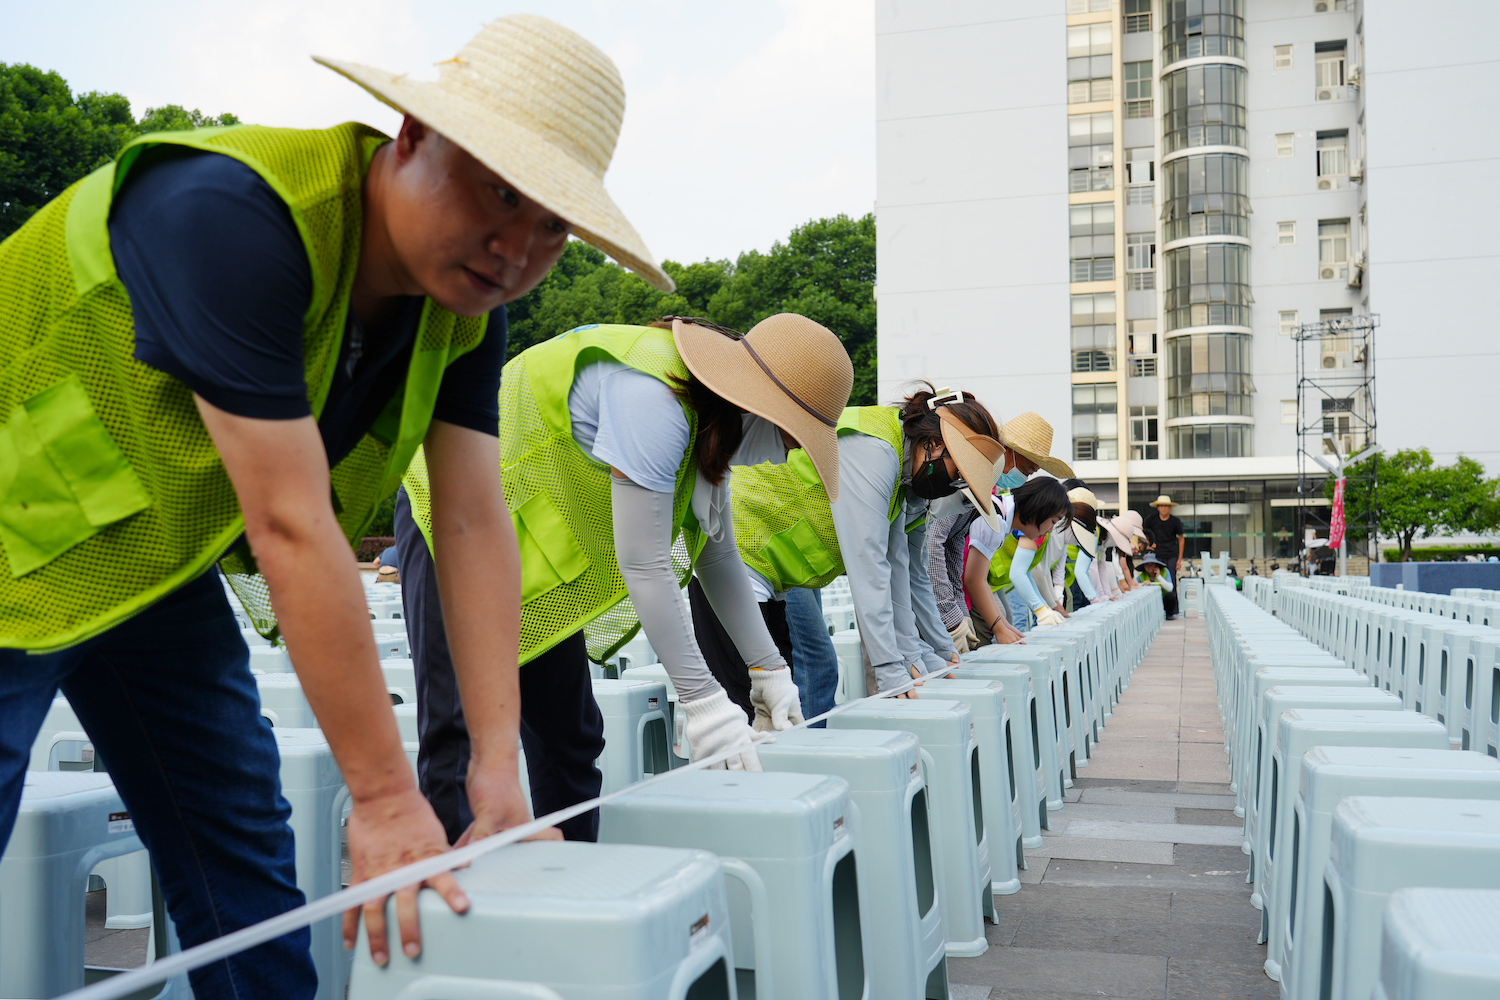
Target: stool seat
[(1027, 781), (1046, 663), (400, 679), (656, 673), (566, 920), (785, 841), (635, 731), (1440, 944), (851, 659)]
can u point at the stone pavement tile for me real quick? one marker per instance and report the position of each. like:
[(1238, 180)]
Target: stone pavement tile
[(1071, 794), (1210, 817), (1192, 734), (1202, 753), (1155, 797), (1040, 972), (1135, 852), (1057, 825), (1099, 934), (1213, 979), (1120, 875), (1137, 768), (1220, 788), (1223, 908), (1037, 871), (1091, 782), (1142, 904), (1194, 771), (1120, 814), (1003, 931), (1170, 833), (960, 992)]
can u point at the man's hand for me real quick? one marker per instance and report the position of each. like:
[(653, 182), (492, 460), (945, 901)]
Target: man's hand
[(498, 803)]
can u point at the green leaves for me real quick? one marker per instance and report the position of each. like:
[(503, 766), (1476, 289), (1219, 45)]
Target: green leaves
[(1416, 498)]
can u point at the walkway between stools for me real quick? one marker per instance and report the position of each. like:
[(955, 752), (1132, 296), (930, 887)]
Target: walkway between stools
[(1138, 890)]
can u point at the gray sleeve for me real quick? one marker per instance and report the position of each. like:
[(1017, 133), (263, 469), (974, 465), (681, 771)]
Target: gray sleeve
[(726, 583), (643, 545), (947, 591), (930, 628), (867, 470)]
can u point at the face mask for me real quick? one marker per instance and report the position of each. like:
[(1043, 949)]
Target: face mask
[(931, 480), (760, 442), (1011, 480)]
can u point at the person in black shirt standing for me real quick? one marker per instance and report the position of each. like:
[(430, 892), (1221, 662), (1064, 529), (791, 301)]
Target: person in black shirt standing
[(1164, 530)]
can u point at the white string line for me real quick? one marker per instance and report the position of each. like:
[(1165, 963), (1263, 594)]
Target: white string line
[(116, 987)]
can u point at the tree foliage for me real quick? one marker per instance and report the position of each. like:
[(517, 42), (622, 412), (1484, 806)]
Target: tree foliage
[(825, 271), (1416, 498), (50, 138)]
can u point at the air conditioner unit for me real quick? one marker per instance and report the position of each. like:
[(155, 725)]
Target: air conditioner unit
[(1357, 169), (1322, 7), (1325, 273), (1325, 183), (1328, 361), (1328, 93)]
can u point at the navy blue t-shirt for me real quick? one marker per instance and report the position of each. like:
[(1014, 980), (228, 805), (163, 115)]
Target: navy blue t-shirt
[(219, 282)]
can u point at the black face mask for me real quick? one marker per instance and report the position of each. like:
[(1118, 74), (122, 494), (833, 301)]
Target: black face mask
[(931, 480)]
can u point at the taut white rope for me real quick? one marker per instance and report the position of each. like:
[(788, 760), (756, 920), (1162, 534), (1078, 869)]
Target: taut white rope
[(126, 983)]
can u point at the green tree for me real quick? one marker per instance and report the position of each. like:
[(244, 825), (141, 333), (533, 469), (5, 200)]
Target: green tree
[(1416, 498), (49, 138)]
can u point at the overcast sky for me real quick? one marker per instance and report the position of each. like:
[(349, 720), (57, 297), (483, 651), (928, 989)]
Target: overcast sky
[(743, 118)]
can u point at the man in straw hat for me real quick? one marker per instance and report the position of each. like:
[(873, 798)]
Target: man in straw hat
[(1028, 447), (1163, 533), (245, 334)]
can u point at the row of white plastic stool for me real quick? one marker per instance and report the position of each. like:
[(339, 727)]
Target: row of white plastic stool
[(1322, 762)]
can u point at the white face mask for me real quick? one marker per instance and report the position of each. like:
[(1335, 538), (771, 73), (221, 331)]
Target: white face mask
[(761, 442)]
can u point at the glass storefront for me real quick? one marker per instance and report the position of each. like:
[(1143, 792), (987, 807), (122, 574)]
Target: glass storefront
[(1249, 519)]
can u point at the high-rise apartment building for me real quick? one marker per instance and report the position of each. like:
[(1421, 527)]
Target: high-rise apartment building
[(1118, 212)]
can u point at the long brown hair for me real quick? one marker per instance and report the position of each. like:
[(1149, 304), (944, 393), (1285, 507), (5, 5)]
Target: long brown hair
[(920, 424), (720, 429)]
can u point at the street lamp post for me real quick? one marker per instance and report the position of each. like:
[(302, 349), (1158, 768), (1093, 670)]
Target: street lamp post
[(1337, 471)]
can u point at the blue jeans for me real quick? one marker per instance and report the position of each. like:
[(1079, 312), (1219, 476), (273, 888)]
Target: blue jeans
[(816, 665), (168, 700), (1020, 614)]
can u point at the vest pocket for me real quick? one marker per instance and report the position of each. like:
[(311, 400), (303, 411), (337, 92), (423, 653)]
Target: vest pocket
[(62, 478), (550, 555), (797, 555)]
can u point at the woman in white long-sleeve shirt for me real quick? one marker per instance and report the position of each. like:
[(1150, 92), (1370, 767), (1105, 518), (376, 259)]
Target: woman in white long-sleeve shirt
[(1001, 560)]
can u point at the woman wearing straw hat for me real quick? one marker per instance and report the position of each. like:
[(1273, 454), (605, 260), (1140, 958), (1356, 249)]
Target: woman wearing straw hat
[(615, 447), (1080, 541), (1165, 534), (1122, 536), (897, 465), (234, 340)]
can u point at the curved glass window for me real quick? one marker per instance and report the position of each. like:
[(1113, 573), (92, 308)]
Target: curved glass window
[(1212, 441), (1203, 106), (1193, 28), (1208, 375), (1207, 285), (1205, 195)]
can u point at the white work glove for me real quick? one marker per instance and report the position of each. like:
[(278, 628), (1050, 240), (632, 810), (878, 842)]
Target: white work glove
[(715, 724), (1047, 616), (964, 638), (778, 704)]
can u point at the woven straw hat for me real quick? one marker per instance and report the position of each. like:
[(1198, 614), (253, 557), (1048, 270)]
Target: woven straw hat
[(1162, 501), (1087, 540), (538, 105), (788, 369), (1031, 436), (975, 453), (1121, 529)]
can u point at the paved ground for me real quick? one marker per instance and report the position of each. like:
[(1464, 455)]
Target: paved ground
[(1138, 890)]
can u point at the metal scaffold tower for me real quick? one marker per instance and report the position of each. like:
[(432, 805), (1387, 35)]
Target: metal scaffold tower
[(1336, 426)]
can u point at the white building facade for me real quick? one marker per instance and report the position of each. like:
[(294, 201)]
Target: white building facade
[(1115, 213)]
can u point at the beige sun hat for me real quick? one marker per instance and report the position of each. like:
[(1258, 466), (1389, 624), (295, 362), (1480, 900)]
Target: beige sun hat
[(975, 453), (1030, 435), (1087, 540), (1122, 529), (539, 105), (1162, 501), (788, 369)]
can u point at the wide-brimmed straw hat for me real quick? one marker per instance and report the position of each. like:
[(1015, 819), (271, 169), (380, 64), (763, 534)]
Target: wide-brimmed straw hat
[(1087, 540), (1031, 436), (1122, 528), (541, 107), (975, 453), (1162, 501), (788, 369)]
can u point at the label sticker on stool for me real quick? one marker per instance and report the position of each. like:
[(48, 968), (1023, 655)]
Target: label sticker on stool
[(699, 925), (121, 823)]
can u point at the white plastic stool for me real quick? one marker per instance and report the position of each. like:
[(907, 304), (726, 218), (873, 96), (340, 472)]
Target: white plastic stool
[(893, 837), (785, 842), (851, 657), (635, 731), (61, 744), (127, 878), (949, 756), (67, 824), (1029, 785), (1002, 822), (1247, 714), (554, 920), (282, 702), (270, 660), (656, 673), (400, 679), (1384, 844), (1440, 944), (1299, 731), (1046, 662), (1329, 775), (390, 638)]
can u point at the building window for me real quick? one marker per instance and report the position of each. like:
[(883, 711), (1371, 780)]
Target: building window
[(1091, 152), (1285, 143), (1212, 441), (1333, 249), (1093, 332), (1341, 424), (1288, 322), (1096, 421), (1091, 243), (1143, 367), (1088, 6), (1141, 194), (1207, 284), (1336, 349), (1140, 261), (1140, 167), (1090, 48), (1144, 433), (1193, 28), (1333, 159), (1289, 411), (1208, 375), (1137, 16), (1328, 70), (1286, 234), (1203, 106), (1205, 195), (1283, 57), (1138, 89)]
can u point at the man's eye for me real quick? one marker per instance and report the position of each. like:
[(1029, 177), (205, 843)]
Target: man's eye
[(508, 196)]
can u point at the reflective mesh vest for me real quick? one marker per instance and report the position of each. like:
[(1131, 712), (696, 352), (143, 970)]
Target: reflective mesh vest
[(112, 495), (559, 497), (1001, 560), (783, 522)]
